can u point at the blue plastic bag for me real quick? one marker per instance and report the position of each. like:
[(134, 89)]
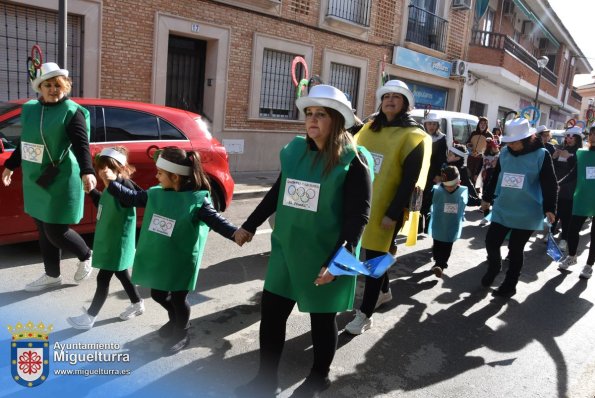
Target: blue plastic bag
[(345, 263), (378, 266), (552, 248)]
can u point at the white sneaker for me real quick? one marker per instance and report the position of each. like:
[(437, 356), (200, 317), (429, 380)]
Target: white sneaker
[(360, 323), (563, 245), (384, 298), (43, 282), (586, 272), (133, 310), (83, 270), (566, 263), (83, 322)]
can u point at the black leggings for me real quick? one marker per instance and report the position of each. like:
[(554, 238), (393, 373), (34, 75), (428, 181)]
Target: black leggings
[(373, 286), (564, 214), (176, 304), (275, 310), (103, 280), (53, 238), (516, 245), (441, 253), (576, 224)]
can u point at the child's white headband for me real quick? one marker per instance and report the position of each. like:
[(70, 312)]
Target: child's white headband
[(173, 167), (112, 153)]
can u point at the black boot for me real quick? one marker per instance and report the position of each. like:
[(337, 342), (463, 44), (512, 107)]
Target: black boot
[(178, 341), (263, 385), (489, 277), (508, 287), (494, 268), (312, 387)]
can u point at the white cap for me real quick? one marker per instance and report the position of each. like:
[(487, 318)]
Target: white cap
[(432, 117), (327, 96), (396, 86), (47, 71), (516, 130)]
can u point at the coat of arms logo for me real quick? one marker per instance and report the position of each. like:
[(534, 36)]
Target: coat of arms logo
[(29, 353)]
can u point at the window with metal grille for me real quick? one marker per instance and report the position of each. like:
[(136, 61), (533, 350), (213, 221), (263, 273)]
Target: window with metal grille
[(356, 11), (277, 92), (22, 27), (346, 79)]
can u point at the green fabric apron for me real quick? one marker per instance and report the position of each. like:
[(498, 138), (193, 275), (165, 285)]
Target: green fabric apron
[(115, 234), (171, 244), (583, 203), (307, 226), (62, 201)]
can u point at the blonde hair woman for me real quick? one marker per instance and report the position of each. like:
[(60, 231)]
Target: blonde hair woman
[(53, 153)]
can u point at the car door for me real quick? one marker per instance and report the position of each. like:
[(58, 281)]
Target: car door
[(12, 216)]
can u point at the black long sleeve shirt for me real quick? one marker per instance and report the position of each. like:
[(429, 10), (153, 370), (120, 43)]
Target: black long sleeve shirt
[(207, 213), (547, 179), (357, 193), (411, 169), (95, 194), (76, 131)]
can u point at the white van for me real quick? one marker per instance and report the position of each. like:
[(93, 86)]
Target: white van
[(456, 125)]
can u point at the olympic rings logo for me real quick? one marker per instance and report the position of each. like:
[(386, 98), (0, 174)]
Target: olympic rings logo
[(301, 194), (162, 225), (512, 180), (32, 151)]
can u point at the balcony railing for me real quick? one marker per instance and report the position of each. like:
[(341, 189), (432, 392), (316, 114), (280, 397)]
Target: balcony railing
[(356, 11), (501, 41), (576, 96), (426, 28)]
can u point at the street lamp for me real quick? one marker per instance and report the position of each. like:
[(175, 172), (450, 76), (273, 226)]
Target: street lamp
[(541, 63)]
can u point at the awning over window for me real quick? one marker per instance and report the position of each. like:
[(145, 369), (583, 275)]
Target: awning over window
[(536, 20)]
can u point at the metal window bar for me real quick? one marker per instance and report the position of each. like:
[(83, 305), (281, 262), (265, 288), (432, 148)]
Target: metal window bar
[(20, 28), (346, 79), (356, 11), (426, 28), (277, 92)]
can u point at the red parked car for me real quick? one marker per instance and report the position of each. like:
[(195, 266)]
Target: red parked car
[(135, 125)]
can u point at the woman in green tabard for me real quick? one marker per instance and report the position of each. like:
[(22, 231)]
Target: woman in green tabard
[(56, 161), (322, 202), (583, 174), (115, 235), (176, 222)]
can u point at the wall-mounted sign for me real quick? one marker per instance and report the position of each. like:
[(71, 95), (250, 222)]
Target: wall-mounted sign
[(195, 27), (421, 62)]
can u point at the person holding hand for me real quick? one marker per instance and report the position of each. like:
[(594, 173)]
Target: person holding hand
[(322, 202)]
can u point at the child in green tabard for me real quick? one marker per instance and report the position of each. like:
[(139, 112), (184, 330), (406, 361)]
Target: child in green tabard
[(176, 222), (115, 235)]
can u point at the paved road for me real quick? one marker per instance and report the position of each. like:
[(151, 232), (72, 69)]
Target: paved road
[(437, 338)]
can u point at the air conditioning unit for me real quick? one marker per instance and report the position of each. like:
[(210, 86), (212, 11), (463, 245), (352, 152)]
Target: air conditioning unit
[(459, 68), (461, 4)]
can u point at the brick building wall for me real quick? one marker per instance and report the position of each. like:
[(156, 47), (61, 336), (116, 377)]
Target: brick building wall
[(127, 47), (458, 34)]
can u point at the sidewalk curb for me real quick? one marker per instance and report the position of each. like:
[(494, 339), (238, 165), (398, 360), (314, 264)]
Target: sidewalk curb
[(249, 194)]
